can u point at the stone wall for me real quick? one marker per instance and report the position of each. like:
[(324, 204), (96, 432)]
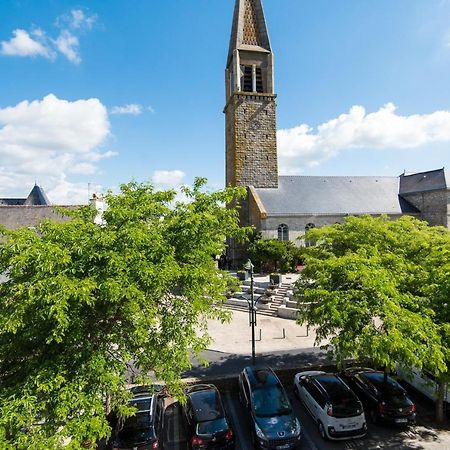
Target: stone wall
[(27, 216), (251, 146), (297, 225)]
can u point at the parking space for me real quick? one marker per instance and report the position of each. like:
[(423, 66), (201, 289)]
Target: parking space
[(421, 436), (174, 434)]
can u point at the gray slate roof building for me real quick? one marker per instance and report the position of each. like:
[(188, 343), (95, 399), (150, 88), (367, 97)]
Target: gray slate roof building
[(309, 195), (424, 182), (36, 197)]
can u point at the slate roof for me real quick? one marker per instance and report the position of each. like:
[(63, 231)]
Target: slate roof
[(307, 195), (36, 197), (424, 181), (12, 201)]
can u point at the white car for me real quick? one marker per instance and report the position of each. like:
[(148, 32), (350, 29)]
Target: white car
[(332, 404)]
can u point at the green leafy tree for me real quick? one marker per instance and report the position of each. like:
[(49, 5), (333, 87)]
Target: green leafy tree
[(272, 255), (84, 304), (379, 289)]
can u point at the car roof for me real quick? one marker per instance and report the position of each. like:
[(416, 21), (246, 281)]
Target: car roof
[(333, 385), (356, 370), (206, 403), (261, 377), (309, 373)]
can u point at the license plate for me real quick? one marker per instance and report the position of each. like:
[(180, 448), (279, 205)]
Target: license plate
[(401, 420), (281, 447), (350, 426)]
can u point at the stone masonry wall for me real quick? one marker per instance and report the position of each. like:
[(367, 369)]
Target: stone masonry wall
[(251, 147), (433, 206), (13, 217)]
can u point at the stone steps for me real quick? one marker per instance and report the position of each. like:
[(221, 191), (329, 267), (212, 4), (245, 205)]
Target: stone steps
[(262, 312)]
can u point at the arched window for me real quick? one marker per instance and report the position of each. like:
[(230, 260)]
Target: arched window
[(283, 232), (308, 242)]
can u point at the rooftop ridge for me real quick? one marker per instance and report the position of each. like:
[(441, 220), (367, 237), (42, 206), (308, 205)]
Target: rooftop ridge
[(404, 174), (338, 176)]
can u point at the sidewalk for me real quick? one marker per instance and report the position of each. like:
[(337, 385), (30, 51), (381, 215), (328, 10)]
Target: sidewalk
[(235, 337)]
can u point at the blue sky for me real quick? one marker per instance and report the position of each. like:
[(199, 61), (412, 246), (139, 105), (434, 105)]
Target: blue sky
[(69, 72)]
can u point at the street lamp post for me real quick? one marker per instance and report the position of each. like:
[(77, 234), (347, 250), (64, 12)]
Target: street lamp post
[(252, 308)]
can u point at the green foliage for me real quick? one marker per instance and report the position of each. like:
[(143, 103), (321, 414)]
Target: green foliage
[(379, 289), (272, 255), (84, 304)]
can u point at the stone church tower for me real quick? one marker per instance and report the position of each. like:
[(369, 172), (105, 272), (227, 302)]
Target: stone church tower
[(251, 147)]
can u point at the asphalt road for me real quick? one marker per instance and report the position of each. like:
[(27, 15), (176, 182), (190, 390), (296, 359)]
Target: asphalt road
[(378, 436), (224, 364)]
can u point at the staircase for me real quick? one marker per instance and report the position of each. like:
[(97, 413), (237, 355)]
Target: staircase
[(280, 294)]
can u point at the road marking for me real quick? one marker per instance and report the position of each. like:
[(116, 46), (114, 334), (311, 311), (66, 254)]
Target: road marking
[(305, 435)]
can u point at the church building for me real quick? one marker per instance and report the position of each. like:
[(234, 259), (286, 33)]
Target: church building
[(284, 207)]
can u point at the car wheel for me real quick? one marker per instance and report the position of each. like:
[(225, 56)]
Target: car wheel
[(322, 432)]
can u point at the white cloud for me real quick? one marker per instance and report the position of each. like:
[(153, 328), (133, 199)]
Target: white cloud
[(64, 192), (171, 178), (22, 44), (78, 19), (36, 43), (304, 146), (151, 109), (49, 138), (131, 109), (68, 45)]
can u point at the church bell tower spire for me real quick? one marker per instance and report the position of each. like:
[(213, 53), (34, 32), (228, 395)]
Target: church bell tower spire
[(251, 153)]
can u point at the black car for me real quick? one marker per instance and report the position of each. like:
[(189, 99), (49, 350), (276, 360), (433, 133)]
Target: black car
[(207, 424), (384, 399), (273, 423), (141, 431)]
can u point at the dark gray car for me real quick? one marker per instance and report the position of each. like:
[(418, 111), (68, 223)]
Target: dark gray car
[(273, 423)]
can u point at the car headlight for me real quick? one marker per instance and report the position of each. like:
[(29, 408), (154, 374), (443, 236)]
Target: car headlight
[(259, 432), (298, 427)]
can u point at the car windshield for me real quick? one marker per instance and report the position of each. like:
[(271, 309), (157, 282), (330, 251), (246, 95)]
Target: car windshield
[(206, 405), (212, 427), (270, 401), (344, 401), (390, 387)]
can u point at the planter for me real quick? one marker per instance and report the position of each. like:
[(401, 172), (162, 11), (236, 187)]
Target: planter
[(275, 278), (242, 275)]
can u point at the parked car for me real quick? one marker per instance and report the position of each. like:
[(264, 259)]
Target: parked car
[(141, 431), (207, 424), (424, 382), (384, 399), (332, 404), (273, 423)]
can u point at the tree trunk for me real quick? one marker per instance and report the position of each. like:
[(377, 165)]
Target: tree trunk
[(442, 387)]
